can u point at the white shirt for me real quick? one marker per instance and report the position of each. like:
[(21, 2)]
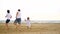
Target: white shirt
[(8, 16), (28, 23), (19, 15)]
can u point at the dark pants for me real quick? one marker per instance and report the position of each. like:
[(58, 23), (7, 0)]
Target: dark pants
[(18, 20), (8, 20)]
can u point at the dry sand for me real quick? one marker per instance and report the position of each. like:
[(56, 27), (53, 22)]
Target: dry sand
[(36, 28)]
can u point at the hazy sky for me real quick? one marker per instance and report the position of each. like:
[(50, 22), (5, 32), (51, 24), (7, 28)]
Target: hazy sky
[(35, 9)]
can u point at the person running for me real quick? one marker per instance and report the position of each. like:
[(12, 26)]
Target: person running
[(18, 19), (28, 23), (8, 16)]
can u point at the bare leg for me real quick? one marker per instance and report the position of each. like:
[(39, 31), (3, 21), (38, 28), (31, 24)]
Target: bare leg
[(7, 26), (19, 26), (28, 27), (15, 25)]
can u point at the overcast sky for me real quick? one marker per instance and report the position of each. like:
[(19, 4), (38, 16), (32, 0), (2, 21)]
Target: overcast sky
[(35, 9)]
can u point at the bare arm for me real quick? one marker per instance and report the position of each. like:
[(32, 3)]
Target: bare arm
[(16, 14), (25, 20), (6, 16), (11, 17)]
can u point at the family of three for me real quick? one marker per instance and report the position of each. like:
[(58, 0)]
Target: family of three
[(17, 20)]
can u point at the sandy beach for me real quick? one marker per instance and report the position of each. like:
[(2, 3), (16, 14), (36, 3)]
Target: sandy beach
[(36, 28)]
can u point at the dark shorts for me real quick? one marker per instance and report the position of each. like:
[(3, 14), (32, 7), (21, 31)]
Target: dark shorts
[(8, 20), (18, 20)]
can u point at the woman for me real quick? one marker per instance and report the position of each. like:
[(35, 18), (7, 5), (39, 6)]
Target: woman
[(8, 16)]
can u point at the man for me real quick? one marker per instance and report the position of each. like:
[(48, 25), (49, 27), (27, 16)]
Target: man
[(18, 19)]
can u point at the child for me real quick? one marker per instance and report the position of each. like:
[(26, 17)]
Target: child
[(8, 16), (28, 22)]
